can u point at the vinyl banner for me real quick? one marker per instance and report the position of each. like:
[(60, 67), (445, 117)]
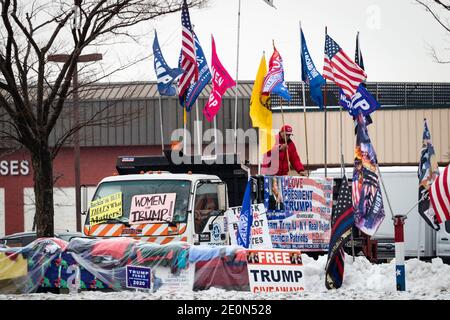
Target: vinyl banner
[(260, 237), (299, 212), (275, 270)]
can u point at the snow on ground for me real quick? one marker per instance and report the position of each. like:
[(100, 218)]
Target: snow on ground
[(362, 281)]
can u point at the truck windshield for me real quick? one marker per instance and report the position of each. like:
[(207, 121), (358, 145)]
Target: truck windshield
[(130, 189)]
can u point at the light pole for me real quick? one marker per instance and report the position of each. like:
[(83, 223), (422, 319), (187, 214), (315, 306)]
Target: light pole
[(76, 121)]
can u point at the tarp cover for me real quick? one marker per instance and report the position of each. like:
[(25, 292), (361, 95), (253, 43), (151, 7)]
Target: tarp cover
[(101, 264)]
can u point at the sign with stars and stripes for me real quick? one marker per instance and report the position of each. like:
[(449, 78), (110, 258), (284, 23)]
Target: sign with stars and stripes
[(340, 69), (299, 212)]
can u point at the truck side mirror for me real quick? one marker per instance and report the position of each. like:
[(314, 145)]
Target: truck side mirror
[(222, 196), (84, 200)]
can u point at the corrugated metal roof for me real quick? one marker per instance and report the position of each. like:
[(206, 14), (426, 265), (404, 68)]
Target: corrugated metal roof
[(146, 90)]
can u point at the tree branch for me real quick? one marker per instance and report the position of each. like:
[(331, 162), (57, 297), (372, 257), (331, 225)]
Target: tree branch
[(435, 16)]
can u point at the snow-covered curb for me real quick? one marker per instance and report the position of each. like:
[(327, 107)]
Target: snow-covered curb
[(362, 280)]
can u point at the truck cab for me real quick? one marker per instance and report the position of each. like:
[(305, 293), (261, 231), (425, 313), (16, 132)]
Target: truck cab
[(197, 215), (193, 206)]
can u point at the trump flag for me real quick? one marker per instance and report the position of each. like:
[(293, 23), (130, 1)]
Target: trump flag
[(221, 81)]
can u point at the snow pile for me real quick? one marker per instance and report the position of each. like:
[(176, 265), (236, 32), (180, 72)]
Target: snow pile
[(362, 280)]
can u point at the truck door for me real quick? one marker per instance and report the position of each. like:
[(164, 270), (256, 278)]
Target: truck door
[(209, 218), (443, 240)]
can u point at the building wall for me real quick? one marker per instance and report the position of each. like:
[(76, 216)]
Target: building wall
[(396, 135), (2, 212), (137, 122), (96, 163)]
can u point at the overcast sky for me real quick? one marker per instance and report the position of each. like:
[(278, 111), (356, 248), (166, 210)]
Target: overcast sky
[(395, 37)]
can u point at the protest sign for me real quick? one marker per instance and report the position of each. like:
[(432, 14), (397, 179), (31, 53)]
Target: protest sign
[(139, 277), (106, 208), (299, 212), (260, 237), (275, 270), (152, 208)]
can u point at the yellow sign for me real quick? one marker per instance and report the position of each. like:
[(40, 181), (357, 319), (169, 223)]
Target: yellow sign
[(106, 208), (13, 266)]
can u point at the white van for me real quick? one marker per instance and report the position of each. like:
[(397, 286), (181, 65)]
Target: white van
[(402, 187)]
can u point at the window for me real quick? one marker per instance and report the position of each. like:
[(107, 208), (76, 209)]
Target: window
[(146, 187), (206, 205), (447, 226)]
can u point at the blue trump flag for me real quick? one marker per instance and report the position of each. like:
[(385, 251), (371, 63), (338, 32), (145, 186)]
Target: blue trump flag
[(362, 101), (165, 75), (310, 75), (204, 78), (245, 219)]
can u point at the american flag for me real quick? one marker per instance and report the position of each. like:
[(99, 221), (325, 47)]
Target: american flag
[(440, 196), (338, 67), (188, 56), (341, 229)]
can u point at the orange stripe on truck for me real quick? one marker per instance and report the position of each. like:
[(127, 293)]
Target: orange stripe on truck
[(183, 229), (152, 230), (167, 240), (118, 232), (107, 228)]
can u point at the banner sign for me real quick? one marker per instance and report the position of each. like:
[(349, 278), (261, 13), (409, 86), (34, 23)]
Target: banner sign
[(106, 208), (362, 101), (181, 281), (139, 277), (260, 236), (275, 270), (299, 212), (158, 278), (152, 208)]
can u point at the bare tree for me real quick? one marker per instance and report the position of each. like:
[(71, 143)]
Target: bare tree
[(440, 11), (33, 91)]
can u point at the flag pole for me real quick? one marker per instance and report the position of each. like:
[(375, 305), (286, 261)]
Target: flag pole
[(418, 239), (237, 78), (285, 138), (385, 192), (284, 123), (304, 105), (341, 142), (161, 121), (352, 240), (258, 146), (184, 131), (325, 123), (215, 134), (199, 147)]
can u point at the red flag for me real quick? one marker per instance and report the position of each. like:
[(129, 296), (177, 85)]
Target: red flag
[(221, 81)]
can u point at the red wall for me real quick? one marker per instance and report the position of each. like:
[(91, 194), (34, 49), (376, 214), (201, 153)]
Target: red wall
[(95, 164)]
